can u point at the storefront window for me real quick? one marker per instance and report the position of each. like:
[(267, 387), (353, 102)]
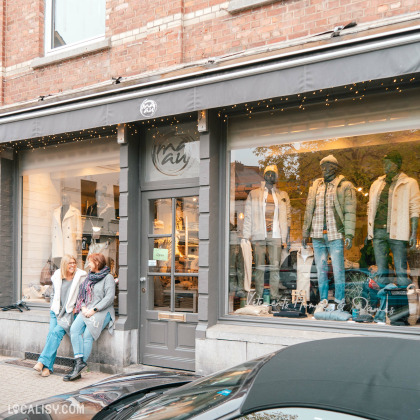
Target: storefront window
[(70, 206), (326, 229)]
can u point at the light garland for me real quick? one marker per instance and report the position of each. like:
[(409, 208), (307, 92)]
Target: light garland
[(329, 96)]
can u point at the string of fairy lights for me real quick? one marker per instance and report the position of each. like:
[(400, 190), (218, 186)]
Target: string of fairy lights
[(329, 96), (94, 134)]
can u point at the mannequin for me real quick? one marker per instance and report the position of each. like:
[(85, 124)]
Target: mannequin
[(101, 208), (66, 230), (65, 205), (98, 225), (267, 225), (393, 212), (330, 218)]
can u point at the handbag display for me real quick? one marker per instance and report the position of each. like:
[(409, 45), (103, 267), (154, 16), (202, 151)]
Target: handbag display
[(47, 272)]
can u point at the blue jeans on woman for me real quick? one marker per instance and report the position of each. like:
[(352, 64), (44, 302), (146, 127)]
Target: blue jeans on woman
[(81, 338), (335, 248), (54, 337)]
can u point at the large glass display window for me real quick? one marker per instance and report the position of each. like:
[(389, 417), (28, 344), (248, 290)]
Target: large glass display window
[(324, 229), (70, 206)]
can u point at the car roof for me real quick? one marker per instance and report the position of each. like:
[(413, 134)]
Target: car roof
[(374, 377)]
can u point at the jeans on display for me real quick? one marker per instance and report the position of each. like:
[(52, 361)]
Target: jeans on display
[(381, 246), (81, 338), (322, 248), (236, 271), (55, 335), (267, 254)]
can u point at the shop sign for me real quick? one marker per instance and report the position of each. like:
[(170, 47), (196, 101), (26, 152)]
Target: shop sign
[(148, 108), (171, 153)]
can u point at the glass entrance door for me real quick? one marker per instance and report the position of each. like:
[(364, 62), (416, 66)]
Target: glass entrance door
[(169, 281)]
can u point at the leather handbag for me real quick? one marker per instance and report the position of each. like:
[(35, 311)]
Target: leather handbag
[(47, 272)]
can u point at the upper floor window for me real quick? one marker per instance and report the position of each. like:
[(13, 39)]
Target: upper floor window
[(73, 22)]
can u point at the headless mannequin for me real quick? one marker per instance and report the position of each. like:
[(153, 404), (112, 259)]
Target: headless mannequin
[(63, 211), (391, 170), (65, 205), (329, 173)]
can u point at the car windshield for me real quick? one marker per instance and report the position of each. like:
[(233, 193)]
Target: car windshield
[(198, 396)]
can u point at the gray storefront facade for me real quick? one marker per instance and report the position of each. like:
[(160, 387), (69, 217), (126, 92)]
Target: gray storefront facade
[(158, 175)]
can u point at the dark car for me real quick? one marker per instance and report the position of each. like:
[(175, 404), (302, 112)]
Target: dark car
[(332, 379), (102, 397)]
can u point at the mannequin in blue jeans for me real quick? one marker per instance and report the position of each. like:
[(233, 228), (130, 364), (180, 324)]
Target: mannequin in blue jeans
[(329, 196), (393, 209)]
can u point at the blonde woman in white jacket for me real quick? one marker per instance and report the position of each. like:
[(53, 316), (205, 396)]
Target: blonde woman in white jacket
[(66, 282)]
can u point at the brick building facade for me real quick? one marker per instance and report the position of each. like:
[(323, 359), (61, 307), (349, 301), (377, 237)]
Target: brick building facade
[(150, 38), (207, 67)]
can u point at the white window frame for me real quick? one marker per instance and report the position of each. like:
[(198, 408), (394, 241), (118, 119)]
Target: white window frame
[(48, 34)]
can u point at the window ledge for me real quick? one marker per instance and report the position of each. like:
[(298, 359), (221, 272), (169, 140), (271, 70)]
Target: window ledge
[(34, 315), (236, 6), (71, 53)]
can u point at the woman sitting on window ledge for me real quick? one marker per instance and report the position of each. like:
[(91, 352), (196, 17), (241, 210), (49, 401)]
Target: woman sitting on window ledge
[(95, 309), (66, 281)]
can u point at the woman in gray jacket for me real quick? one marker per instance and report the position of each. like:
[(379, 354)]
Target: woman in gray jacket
[(95, 309)]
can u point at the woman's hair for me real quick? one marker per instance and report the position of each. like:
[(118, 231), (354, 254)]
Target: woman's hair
[(98, 259), (64, 265)]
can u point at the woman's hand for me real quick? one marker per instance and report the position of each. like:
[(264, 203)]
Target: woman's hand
[(88, 313)]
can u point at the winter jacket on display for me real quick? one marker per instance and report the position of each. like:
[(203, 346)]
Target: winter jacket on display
[(403, 203), (254, 220), (344, 206), (65, 233)]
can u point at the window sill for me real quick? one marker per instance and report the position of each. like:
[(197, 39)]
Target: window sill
[(34, 315), (54, 58), (236, 6)]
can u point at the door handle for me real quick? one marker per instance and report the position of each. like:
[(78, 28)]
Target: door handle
[(142, 279)]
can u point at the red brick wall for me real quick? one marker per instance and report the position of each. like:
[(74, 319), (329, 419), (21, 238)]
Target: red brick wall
[(159, 34)]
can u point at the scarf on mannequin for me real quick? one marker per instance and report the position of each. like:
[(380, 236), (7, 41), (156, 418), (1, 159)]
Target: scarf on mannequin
[(85, 292)]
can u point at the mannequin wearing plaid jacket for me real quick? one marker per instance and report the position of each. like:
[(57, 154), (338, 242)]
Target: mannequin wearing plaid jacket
[(330, 220)]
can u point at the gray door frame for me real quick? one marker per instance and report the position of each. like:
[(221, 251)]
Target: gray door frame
[(183, 357)]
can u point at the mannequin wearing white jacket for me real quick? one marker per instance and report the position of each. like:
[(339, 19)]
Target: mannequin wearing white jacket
[(393, 212), (66, 231), (267, 224)]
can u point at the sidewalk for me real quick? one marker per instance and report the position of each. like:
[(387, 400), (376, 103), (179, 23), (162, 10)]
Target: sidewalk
[(20, 385)]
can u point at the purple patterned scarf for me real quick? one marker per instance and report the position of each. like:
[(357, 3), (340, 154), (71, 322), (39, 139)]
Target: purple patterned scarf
[(85, 290)]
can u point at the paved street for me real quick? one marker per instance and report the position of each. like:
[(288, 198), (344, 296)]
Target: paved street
[(20, 385)]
